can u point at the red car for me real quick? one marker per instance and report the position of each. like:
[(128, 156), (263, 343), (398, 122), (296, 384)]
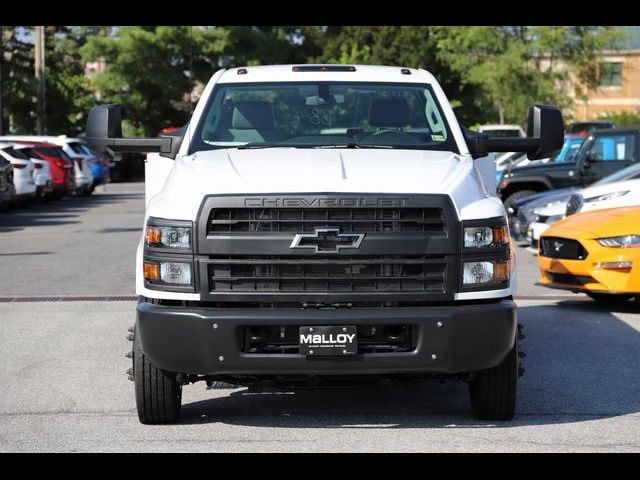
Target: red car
[(61, 165)]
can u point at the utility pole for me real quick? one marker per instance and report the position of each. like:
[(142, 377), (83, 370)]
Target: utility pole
[(41, 120)]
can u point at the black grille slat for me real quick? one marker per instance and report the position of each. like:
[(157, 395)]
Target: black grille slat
[(351, 274), (563, 248), (362, 220)]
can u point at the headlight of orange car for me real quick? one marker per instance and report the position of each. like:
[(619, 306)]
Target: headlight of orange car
[(620, 242)]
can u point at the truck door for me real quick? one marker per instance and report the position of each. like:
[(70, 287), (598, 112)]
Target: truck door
[(607, 154)]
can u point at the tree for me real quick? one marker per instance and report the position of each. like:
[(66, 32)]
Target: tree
[(18, 84), (149, 70), (518, 65), (403, 46)]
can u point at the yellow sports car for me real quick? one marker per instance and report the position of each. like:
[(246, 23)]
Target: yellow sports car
[(596, 252)]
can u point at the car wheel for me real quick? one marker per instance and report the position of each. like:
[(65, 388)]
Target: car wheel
[(493, 393), (158, 392), (516, 195), (610, 298)]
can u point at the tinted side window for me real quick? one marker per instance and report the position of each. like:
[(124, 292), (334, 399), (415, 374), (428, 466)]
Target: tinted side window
[(77, 148), (615, 147), (16, 153)]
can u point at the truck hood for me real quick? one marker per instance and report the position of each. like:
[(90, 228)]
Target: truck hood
[(291, 170), (327, 169)]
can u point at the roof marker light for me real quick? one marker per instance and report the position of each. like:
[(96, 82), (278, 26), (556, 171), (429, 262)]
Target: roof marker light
[(405, 71), (323, 68), (242, 71)]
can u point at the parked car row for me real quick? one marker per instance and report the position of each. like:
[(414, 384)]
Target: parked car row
[(537, 195), (46, 167)]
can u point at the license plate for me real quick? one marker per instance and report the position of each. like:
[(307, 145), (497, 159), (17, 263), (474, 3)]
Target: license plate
[(328, 341)]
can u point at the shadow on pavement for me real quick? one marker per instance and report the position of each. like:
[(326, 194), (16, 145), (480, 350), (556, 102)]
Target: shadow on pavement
[(67, 210), (581, 365)]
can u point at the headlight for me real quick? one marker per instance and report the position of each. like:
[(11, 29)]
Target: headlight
[(169, 236), (481, 272), (622, 241), (481, 237), (606, 196), (167, 273)]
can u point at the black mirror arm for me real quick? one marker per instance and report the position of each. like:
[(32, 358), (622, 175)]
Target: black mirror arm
[(509, 144), (122, 145)]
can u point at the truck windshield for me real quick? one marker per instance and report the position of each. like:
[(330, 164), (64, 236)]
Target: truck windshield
[(323, 115)]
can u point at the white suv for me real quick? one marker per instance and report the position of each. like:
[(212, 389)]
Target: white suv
[(23, 171)]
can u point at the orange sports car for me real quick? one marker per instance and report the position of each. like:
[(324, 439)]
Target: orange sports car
[(597, 253)]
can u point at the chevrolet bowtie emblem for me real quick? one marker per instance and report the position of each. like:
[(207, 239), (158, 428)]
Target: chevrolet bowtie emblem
[(327, 240)]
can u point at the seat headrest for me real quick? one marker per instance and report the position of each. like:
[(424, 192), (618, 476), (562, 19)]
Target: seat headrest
[(389, 112), (252, 115)]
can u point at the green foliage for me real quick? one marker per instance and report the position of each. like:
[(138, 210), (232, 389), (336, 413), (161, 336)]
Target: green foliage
[(18, 84), (489, 73), (516, 66), (622, 119), (151, 69), (414, 47)]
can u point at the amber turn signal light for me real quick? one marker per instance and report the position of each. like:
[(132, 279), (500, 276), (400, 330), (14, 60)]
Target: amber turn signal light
[(501, 235), (151, 271), (152, 235), (502, 271)]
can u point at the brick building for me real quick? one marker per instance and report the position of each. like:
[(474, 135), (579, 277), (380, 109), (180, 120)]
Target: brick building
[(618, 88)]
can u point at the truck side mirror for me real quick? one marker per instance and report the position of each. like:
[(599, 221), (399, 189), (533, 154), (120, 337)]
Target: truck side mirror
[(104, 134), (545, 136)]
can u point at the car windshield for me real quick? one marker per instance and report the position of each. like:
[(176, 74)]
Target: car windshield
[(323, 115), (569, 150)]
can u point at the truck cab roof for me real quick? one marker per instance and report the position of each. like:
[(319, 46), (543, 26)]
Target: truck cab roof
[(320, 72)]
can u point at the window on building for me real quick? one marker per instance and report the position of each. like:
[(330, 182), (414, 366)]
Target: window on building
[(610, 74)]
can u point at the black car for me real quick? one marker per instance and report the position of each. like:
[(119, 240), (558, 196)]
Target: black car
[(579, 127), (602, 153), (7, 189)]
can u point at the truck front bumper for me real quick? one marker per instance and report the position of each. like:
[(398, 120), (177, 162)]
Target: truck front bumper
[(451, 339)]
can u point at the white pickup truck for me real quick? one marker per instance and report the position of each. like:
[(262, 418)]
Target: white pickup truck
[(320, 225)]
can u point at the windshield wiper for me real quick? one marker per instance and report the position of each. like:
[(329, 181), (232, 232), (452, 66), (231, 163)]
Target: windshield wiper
[(256, 145), (353, 145), (247, 146)]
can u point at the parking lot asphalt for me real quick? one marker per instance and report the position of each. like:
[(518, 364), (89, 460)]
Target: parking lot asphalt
[(63, 385)]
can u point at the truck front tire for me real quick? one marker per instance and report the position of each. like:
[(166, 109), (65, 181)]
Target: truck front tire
[(493, 393), (158, 393)]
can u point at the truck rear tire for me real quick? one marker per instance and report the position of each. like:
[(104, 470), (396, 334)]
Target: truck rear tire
[(158, 393), (493, 393)]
